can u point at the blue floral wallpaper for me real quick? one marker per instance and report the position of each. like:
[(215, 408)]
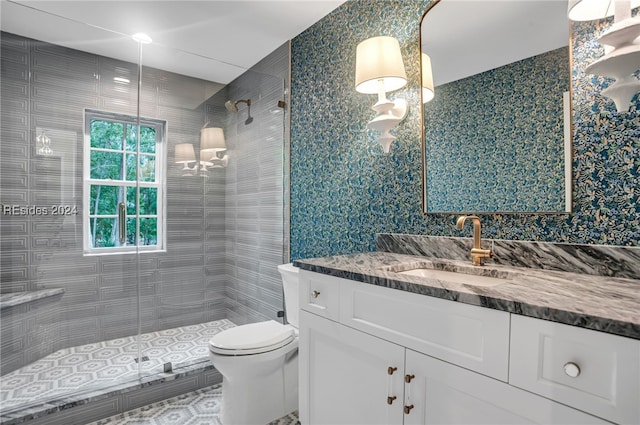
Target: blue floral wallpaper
[(344, 189), (494, 141)]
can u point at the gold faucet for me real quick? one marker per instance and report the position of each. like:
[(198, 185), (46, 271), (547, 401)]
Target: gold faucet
[(477, 252)]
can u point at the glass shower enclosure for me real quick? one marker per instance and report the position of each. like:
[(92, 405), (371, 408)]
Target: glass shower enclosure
[(120, 229)]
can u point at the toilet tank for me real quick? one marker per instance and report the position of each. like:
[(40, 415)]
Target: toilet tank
[(290, 285)]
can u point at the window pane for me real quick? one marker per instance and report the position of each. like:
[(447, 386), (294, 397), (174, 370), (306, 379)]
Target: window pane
[(131, 201), (148, 201), (131, 138), (121, 151), (106, 134), (147, 139), (131, 231), (106, 165), (131, 167), (104, 232), (147, 168), (148, 231), (106, 198)]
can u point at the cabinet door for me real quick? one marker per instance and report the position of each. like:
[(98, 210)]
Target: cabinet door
[(603, 370), (344, 375), (442, 393)]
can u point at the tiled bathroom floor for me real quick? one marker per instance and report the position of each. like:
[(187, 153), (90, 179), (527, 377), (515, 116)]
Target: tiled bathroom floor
[(103, 364), (195, 408)]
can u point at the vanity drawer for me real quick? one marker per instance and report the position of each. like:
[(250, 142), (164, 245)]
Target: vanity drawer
[(320, 294), (595, 372), (473, 337)]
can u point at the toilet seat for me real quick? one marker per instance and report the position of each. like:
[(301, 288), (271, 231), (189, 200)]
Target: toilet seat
[(253, 338)]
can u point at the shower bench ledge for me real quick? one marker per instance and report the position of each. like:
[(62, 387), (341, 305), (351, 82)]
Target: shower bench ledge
[(13, 299)]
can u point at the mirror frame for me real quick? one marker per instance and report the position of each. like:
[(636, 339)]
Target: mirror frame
[(568, 138)]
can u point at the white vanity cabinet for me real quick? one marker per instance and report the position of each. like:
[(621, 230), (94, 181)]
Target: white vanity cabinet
[(345, 375), (591, 371), (385, 356), (442, 393)]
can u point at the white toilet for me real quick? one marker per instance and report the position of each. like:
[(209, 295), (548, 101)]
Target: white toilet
[(259, 363)]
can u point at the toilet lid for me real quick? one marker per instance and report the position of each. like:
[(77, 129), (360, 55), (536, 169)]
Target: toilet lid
[(252, 338)]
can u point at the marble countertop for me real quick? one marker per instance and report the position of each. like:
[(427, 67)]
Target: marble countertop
[(607, 304)]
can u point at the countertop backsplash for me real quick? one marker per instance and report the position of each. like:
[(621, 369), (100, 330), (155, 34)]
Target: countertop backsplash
[(596, 260)]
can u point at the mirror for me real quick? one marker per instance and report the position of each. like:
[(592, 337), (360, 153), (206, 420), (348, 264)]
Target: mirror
[(497, 134)]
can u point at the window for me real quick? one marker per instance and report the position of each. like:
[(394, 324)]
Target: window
[(123, 195)]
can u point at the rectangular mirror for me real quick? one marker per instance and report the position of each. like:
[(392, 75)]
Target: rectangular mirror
[(497, 134)]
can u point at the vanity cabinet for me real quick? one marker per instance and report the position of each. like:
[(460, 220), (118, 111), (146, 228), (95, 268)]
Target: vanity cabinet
[(442, 393), (346, 377), (592, 371), (385, 356), (468, 336)]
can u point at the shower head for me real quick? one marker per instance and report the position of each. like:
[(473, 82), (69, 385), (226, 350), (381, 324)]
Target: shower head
[(232, 106)]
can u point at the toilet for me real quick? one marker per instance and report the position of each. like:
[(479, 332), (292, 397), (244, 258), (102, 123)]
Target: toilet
[(259, 363)]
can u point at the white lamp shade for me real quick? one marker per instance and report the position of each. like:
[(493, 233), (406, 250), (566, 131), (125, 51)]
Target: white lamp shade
[(427, 79), (212, 139), (184, 153), (207, 154), (379, 58), (589, 10)]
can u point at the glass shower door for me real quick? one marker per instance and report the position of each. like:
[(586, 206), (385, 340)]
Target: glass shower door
[(69, 268), (143, 253), (224, 207), (180, 308)]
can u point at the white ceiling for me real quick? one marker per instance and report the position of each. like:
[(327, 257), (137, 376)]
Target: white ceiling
[(209, 39), (219, 40), (466, 37)]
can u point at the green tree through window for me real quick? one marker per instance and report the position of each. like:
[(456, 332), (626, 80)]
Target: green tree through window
[(121, 171)]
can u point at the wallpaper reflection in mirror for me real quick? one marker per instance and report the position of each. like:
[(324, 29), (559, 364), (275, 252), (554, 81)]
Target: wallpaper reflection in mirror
[(499, 140), (510, 157)]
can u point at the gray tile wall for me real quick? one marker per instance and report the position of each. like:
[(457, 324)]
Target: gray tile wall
[(28, 330), (226, 233), (45, 86), (214, 220), (257, 204)]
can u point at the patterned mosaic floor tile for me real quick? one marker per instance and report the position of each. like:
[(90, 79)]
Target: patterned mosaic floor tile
[(195, 408), (103, 364)]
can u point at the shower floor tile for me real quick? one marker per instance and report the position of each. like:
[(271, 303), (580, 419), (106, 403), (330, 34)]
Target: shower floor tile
[(195, 408), (104, 364)]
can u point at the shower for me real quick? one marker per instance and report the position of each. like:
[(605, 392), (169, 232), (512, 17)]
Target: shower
[(232, 106), (80, 332)]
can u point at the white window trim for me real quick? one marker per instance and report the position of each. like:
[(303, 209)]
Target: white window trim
[(161, 185)]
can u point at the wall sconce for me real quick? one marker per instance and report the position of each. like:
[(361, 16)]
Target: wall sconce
[(212, 148), (427, 79), (622, 46), (45, 144), (380, 69), (184, 154)]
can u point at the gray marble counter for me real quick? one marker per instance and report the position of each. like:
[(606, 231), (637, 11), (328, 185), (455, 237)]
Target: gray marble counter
[(602, 303)]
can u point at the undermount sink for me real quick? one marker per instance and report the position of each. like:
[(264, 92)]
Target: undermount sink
[(456, 277)]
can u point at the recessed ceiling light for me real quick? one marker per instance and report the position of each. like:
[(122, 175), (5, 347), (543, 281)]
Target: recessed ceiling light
[(141, 38)]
